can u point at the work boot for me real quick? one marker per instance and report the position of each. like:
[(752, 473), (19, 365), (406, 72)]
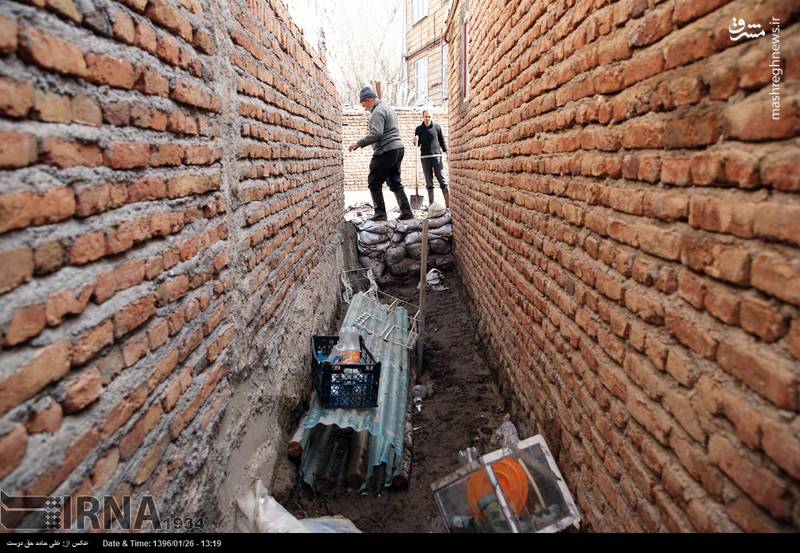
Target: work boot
[(446, 194), (402, 202), (378, 203), (430, 196)]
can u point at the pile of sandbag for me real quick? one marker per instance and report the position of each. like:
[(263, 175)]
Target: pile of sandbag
[(396, 245)]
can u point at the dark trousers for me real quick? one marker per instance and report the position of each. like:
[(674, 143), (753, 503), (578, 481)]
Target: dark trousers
[(385, 167), (432, 165)]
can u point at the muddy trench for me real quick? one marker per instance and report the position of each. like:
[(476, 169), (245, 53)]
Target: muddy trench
[(463, 410)]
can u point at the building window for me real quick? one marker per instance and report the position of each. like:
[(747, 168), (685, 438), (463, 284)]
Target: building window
[(419, 9), (445, 63), (464, 62), (421, 79)]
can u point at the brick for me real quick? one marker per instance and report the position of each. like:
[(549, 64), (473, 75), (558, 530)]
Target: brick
[(123, 27), (763, 318), (750, 518), (74, 455), (187, 94), (764, 371), (782, 171), (158, 335), (86, 110), (111, 71), (46, 420), (722, 303), (110, 364), (87, 248), (151, 82), (117, 113), (92, 342), (8, 34), (168, 50), (692, 128), (48, 365), (51, 52), (692, 334), (203, 41), (26, 323), (151, 460), (134, 349), (16, 98), (794, 338), (167, 154), (134, 315), (778, 276), (105, 467), (66, 154), (52, 108), (760, 484), (122, 155), (12, 449), (17, 149), (49, 257), (82, 391), (654, 27), (751, 120), (16, 267), (778, 221), (146, 37)]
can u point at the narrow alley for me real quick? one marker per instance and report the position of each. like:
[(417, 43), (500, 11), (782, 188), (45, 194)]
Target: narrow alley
[(610, 189)]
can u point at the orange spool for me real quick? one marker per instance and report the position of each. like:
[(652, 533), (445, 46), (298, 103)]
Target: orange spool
[(512, 480)]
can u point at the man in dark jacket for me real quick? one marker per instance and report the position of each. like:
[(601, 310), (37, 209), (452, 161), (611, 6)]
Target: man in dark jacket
[(430, 139), (384, 136)]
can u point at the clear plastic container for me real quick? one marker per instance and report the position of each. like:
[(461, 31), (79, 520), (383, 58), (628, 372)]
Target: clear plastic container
[(348, 349)]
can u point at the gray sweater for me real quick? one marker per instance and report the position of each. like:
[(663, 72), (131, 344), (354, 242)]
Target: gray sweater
[(384, 132)]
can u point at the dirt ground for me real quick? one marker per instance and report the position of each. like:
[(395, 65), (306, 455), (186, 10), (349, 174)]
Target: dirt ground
[(464, 410)]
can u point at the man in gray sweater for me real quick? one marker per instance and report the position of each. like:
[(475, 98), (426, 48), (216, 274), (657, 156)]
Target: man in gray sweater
[(384, 136)]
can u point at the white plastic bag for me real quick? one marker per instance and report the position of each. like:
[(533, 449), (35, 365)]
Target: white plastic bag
[(258, 512)]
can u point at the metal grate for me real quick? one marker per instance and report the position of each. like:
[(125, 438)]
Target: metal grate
[(362, 280)]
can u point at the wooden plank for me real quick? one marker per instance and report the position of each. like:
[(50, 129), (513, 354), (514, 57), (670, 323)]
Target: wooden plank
[(423, 294)]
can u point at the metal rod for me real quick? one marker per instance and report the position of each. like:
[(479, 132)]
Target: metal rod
[(501, 497)]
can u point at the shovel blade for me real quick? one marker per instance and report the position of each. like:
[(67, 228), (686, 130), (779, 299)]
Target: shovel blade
[(416, 201)]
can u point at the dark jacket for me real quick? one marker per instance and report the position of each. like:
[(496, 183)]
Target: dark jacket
[(431, 139)]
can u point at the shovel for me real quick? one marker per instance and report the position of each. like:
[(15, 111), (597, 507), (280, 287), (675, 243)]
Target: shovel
[(416, 199)]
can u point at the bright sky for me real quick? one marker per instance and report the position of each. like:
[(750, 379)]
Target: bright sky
[(357, 32)]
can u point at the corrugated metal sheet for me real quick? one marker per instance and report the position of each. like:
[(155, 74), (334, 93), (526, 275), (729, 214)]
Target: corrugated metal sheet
[(386, 422)]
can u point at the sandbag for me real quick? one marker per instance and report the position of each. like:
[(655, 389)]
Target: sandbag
[(414, 250), (370, 238), (398, 237), (413, 238), (366, 249), (378, 267), (406, 266), (440, 221), (395, 254), (377, 227), (436, 210), (439, 246), (408, 225), (445, 231)]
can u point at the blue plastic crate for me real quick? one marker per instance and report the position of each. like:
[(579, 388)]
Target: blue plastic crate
[(344, 385)]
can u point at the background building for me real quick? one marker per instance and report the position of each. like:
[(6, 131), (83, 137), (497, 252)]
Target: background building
[(426, 51)]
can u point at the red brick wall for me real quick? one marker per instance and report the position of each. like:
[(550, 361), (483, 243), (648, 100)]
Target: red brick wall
[(355, 125), (170, 172), (627, 222)]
